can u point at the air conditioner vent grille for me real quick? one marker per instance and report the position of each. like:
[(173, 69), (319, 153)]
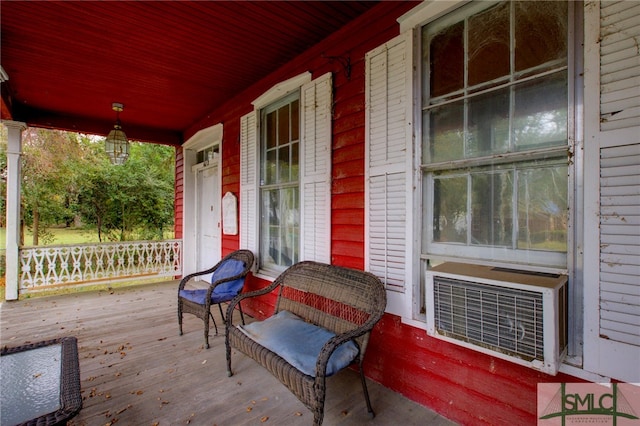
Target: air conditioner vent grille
[(507, 320)]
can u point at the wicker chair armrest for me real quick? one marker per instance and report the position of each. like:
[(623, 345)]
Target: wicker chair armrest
[(337, 340), (247, 295), (186, 279)]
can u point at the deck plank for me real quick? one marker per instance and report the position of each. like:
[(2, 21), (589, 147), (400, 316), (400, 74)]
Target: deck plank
[(136, 370)]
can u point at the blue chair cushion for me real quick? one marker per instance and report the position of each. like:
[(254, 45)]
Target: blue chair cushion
[(223, 292), (299, 342), (228, 268), (198, 296)]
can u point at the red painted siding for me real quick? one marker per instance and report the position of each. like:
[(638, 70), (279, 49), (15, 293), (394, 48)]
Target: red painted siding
[(178, 197), (463, 385)]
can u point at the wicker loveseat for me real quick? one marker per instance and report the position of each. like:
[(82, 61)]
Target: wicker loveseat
[(330, 307)]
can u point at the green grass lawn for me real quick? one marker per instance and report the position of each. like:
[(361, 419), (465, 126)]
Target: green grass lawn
[(61, 236)]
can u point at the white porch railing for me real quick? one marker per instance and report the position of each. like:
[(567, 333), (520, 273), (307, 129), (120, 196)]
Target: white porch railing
[(83, 264)]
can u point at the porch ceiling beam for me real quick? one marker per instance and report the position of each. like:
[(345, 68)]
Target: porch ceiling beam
[(35, 117)]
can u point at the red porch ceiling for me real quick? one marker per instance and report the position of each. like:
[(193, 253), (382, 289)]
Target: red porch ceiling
[(169, 62)]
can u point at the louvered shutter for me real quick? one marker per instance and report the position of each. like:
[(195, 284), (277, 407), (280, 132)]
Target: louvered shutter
[(315, 182), (388, 165), (248, 182), (619, 65), (612, 190), (620, 243)]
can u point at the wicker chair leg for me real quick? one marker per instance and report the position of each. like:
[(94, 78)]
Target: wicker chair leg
[(239, 307), (365, 390), (241, 313), (180, 317), (206, 331), (228, 347)]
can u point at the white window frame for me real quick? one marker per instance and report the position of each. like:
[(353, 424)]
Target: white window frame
[(578, 264), (315, 167), (537, 260)]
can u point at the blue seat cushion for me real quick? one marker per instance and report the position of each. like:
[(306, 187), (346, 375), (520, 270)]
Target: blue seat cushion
[(299, 342), (198, 296), (223, 292), (228, 268)]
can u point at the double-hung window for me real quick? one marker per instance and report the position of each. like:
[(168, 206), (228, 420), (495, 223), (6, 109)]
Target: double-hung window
[(285, 171), (280, 183), (495, 127)]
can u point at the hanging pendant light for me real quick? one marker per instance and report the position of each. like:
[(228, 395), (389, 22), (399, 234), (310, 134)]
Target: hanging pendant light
[(116, 144)]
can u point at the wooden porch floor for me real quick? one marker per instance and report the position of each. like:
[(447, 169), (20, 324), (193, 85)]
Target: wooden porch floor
[(136, 369)]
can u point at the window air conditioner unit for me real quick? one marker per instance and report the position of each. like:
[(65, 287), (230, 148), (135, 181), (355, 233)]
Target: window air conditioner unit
[(519, 316)]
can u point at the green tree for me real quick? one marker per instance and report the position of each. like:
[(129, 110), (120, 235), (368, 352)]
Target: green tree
[(131, 201), (48, 178)]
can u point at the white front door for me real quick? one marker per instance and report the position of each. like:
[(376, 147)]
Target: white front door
[(208, 219)]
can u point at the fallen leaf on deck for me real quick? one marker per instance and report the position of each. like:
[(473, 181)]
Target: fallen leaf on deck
[(123, 409), (35, 376), (298, 413), (264, 419), (204, 362), (249, 409)]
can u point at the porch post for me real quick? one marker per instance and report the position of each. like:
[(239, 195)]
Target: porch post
[(14, 151)]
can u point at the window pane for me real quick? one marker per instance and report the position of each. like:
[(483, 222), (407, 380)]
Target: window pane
[(280, 227), (446, 132), (489, 124), (446, 55), (295, 161), (270, 132), (295, 120), (541, 113), (284, 161), (542, 208), (540, 32), (489, 51), (450, 209), (283, 125), (271, 167), (491, 208)]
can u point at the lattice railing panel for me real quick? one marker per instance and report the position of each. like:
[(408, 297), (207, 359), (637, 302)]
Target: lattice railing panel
[(42, 267)]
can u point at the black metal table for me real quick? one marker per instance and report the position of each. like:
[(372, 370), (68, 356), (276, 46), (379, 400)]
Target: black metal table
[(40, 383)]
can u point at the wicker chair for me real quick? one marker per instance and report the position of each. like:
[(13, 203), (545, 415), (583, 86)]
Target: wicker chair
[(346, 302), (226, 282)]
